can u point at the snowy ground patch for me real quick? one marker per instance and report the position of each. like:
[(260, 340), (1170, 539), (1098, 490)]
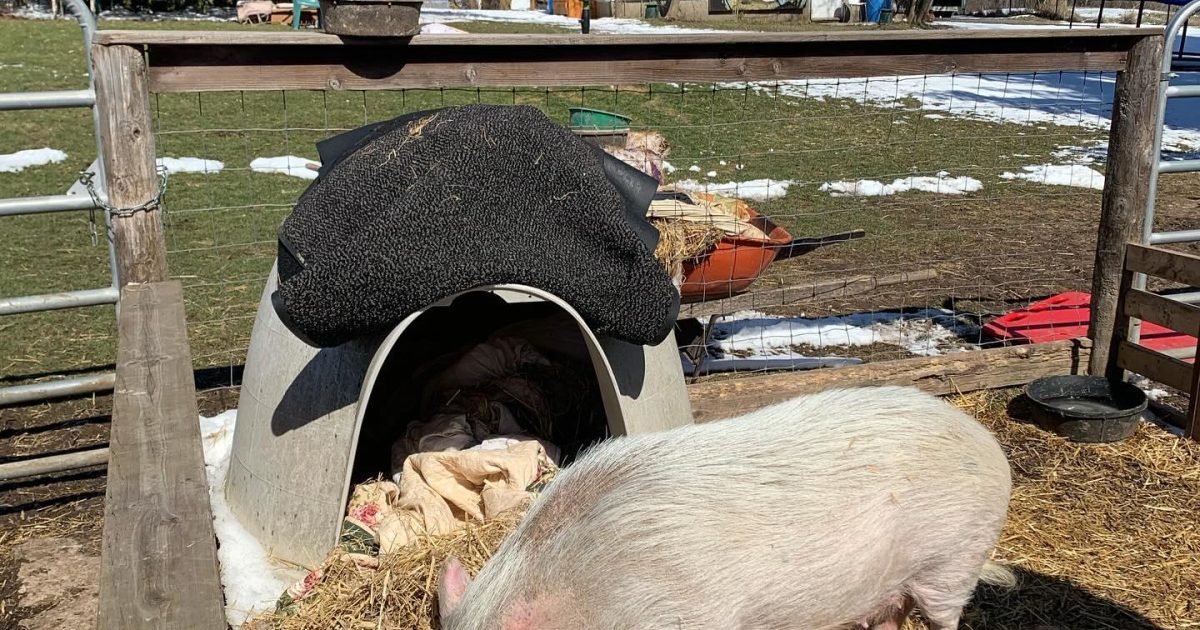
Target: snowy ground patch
[(1076, 175), (285, 164), (942, 183), (756, 189), (1073, 99), (252, 581), (621, 26), (928, 332), (21, 160), (190, 165)]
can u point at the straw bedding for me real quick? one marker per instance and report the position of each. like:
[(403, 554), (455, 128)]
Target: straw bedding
[(1102, 537)]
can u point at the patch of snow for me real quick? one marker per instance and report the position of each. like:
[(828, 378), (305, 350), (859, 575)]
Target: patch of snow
[(740, 166), (252, 581), (722, 162), (1076, 175), (1148, 386), (285, 164), (21, 160), (668, 167), (190, 165), (623, 26), (1073, 99), (695, 168), (942, 183), (437, 28), (935, 116), (756, 189), (929, 332), (711, 174)]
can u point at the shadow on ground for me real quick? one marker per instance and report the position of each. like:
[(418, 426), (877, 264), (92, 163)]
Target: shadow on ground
[(1043, 602)]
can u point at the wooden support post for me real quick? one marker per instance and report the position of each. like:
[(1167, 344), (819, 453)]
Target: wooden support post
[(127, 144), (1191, 426), (1126, 185)]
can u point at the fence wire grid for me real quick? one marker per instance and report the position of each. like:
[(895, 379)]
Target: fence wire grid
[(981, 191), (977, 194)]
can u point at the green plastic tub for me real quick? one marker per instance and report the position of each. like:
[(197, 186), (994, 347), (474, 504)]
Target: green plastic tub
[(584, 118)]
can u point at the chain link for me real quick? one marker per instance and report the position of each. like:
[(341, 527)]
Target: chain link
[(87, 178)]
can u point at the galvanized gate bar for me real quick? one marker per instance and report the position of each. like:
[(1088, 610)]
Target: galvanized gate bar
[(58, 388), (1180, 236), (1167, 91), (10, 101), (60, 203), (56, 301), (38, 205)]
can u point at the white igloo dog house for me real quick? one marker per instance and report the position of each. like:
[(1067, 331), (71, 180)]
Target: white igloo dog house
[(307, 415)]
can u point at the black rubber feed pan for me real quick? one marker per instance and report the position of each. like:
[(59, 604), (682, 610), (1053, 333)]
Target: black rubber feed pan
[(1086, 408)]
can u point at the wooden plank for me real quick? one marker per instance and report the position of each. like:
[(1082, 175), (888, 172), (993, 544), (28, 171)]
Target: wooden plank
[(292, 38), (181, 69), (277, 38), (1155, 365), (158, 560), (1126, 184), (127, 141), (959, 372), (794, 294), (1164, 263), (208, 61), (1173, 314)]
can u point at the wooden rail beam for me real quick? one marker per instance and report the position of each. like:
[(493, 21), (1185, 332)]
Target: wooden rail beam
[(183, 61), (954, 373)]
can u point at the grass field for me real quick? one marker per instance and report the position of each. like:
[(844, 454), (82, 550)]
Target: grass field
[(1008, 242)]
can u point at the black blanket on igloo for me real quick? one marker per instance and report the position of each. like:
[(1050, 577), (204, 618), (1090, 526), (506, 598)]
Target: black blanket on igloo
[(410, 211)]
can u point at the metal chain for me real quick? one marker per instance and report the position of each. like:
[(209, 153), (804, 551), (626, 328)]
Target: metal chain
[(87, 178)]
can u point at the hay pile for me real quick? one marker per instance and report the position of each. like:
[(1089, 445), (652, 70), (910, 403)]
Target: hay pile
[(1102, 535), (680, 241), (400, 593)]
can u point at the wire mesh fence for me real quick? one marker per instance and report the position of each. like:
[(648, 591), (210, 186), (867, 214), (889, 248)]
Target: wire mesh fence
[(973, 195)]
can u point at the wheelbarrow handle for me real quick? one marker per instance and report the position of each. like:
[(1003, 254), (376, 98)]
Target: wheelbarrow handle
[(807, 244)]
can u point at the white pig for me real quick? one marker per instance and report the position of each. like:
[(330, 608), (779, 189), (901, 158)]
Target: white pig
[(843, 509)]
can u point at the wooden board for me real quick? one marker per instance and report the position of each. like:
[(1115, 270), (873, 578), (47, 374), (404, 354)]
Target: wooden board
[(1154, 365), (1163, 311), (158, 561), (278, 38), (352, 69), (1164, 263), (955, 373), (213, 61)]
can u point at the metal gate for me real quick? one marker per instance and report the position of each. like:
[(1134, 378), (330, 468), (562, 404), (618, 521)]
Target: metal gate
[(1149, 236), (76, 200)]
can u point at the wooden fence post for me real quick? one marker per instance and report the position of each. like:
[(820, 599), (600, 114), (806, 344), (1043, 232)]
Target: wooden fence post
[(127, 145), (1126, 184)]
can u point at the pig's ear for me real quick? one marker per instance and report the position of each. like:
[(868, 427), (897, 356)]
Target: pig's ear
[(451, 586)]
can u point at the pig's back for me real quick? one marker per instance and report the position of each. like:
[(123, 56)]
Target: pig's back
[(817, 506)]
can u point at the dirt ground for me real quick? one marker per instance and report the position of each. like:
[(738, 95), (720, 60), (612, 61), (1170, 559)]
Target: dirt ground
[(64, 511)]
